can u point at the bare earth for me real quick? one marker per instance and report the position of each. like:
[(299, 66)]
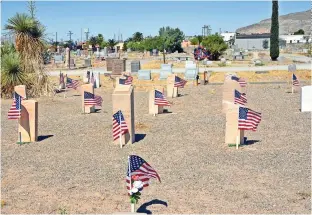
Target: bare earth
[(80, 170)]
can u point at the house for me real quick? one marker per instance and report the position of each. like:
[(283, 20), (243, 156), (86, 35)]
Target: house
[(295, 38), (227, 36), (119, 46), (252, 41), (186, 43)]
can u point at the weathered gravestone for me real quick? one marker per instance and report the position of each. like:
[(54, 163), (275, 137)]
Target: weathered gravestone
[(306, 99), (119, 66), (172, 91), (87, 88), (233, 135), (144, 74), (165, 70), (123, 99), (28, 123), (154, 109)]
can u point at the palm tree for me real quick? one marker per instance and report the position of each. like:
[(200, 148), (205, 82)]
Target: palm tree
[(112, 43)]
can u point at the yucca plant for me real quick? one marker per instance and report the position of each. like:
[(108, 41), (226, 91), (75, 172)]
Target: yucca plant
[(29, 42), (11, 73)]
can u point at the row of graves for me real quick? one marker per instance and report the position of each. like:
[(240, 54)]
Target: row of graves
[(239, 117)]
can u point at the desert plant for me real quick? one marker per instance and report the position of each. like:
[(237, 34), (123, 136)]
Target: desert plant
[(11, 73), (222, 64), (274, 38)]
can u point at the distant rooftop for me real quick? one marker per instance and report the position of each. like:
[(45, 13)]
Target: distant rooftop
[(252, 36)]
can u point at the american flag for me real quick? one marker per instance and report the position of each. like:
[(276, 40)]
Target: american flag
[(295, 81), (160, 99), (127, 81), (71, 83), (137, 166), (248, 119), (16, 107), (241, 81), (119, 125), (179, 82), (240, 98), (91, 99)]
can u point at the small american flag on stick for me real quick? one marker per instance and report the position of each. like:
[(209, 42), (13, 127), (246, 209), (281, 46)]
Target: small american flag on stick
[(119, 125), (160, 99), (241, 81), (295, 80), (16, 107), (240, 98), (248, 119), (71, 83), (138, 167), (179, 82), (91, 99), (127, 81)]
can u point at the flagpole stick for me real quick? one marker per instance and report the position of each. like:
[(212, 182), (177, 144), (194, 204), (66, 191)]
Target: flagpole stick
[(292, 84), (120, 130), (237, 140), (130, 179)]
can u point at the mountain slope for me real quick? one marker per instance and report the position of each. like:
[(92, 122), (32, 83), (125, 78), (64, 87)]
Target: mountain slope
[(287, 24)]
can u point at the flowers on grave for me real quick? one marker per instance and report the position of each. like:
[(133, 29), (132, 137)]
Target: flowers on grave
[(136, 188)]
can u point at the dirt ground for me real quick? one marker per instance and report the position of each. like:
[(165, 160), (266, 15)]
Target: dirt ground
[(76, 168)]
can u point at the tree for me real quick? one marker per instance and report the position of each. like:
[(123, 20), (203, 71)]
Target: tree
[(274, 38), (171, 38), (93, 41), (111, 43), (215, 44), (194, 41), (265, 44), (299, 32), (137, 37)]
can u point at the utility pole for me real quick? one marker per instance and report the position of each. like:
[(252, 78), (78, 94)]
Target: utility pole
[(69, 34)]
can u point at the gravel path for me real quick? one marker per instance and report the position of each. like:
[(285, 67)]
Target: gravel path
[(80, 170)]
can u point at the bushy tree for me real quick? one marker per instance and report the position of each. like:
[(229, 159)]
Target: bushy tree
[(137, 37), (299, 32), (265, 44), (274, 39), (171, 38), (194, 41), (215, 44)]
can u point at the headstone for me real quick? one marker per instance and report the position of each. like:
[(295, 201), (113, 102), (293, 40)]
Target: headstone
[(78, 52), (172, 91), (223, 60), (165, 70), (232, 133), (123, 99), (306, 99), (105, 51), (21, 90), (190, 74), (28, 123), (87, 88), (229, 87), (258, 62), (67, 57), (135, 66), (144, 74), (119, 66), (58, 49), (292, 68), (154, 109), (87, 62), (97, 79), (72, 63), (58, 59)]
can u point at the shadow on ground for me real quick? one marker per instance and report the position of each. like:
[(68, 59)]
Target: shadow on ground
[(43, 137), (143, 207), (139, 137)]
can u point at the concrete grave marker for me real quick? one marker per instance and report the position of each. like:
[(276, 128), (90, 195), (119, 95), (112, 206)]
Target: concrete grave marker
[(21, 90), (28, 123), (306, 99), (233, 135), (87, 88), (172, 91), (155, 109), (123, 99)]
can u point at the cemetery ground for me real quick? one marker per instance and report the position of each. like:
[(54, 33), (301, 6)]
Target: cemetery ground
[(76, 168)]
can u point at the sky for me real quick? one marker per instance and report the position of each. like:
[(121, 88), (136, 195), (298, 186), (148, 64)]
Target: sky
[(109, 18)]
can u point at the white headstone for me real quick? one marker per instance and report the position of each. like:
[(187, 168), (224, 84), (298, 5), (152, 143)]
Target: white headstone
[(97, 79), (292, 68), (306, 99)]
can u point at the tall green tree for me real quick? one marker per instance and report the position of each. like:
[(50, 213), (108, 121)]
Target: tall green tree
[(171, 38), (137, 37), (215, 44), (274, 39)]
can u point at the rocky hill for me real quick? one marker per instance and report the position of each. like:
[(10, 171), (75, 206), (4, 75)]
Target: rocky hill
[(287, 24)]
